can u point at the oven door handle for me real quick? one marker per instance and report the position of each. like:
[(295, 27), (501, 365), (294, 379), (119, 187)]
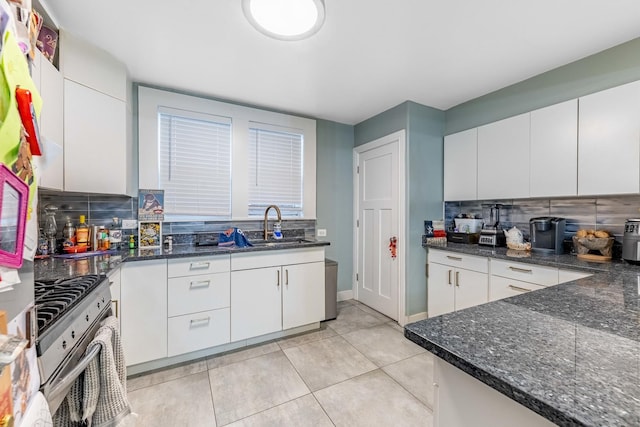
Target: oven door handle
[(65, 383)]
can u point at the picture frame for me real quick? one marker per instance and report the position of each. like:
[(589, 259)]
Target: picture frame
[(150, 205), (14, 196), (149, 234)]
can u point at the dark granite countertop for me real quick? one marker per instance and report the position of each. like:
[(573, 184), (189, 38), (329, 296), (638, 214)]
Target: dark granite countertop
[(569, 352), (61, 268)]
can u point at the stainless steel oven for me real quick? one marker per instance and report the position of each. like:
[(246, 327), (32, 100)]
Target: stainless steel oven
[(68, 314)]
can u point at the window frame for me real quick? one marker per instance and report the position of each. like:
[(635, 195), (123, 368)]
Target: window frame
[(149, 100)]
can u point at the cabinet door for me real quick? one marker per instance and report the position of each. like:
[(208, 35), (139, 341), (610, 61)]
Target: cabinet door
[(502, 287), (95, 141), (256, 305), (503, 159), (609, 141), (440, 289), (461, 165), (144, 310), (302, 294), (115, 286), (51, 169), (554, 150), (471, 288)]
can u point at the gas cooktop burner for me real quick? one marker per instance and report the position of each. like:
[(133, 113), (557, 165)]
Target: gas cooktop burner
[(53, 298)]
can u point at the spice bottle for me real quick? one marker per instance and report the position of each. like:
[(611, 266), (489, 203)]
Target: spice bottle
[(132, 242), (115, 234), (82, 232)]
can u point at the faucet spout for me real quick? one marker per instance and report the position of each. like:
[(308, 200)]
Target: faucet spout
[(266, 215)]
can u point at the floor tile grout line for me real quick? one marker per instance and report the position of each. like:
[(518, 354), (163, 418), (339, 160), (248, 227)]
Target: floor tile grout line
[(323, 408), (408, 391), (213, 404)]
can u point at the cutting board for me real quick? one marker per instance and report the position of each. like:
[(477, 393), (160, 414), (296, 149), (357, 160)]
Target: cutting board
[(596, 258)]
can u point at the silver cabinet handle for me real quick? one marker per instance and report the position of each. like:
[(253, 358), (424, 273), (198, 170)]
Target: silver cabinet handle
[(455, 258), (278, 285), (449, 276), (521, 270), (457, 278), (519, 289), (286, 272), (199, 265), (199, 322), (200, 284)]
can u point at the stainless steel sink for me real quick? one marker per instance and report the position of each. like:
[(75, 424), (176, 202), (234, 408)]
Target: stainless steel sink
[(275, 243)]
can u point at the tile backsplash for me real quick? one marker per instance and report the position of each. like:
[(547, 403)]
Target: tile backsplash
[(99, 209), (601, 213)]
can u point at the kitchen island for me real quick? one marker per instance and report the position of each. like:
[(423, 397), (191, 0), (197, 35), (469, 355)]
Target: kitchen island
[(570, 352)]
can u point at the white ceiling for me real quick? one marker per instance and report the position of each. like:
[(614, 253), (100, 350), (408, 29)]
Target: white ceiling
[(369, 56)]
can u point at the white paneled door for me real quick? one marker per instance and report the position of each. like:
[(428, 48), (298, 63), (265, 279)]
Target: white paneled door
[(378, 226)]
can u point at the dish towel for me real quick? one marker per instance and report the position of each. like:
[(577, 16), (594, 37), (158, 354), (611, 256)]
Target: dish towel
[(233, 237), (99, 397)]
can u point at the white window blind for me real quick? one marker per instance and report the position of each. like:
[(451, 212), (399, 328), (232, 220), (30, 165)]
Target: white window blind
[(195, 164), (275, 170)]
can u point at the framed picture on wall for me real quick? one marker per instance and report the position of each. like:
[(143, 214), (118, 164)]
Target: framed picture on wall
[(149, 234)]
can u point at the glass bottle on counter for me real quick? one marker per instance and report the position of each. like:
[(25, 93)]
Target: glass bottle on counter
[(69, 233), (50, 228), (82, 232)]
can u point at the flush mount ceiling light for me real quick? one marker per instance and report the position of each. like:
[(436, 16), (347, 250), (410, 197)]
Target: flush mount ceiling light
[(285, 19)]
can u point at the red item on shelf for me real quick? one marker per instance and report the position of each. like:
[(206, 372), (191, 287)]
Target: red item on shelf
[(28, 117), (439, 233)]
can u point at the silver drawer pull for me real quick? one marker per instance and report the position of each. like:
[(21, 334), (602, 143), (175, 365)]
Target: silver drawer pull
[(455, 258), (200, 284), (521, 270), (457, 278), (200, 322), (199, 265), (519, 289)]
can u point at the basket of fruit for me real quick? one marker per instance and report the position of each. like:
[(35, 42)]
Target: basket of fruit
[(592, 240)]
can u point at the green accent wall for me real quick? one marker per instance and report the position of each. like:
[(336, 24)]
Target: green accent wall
[(334, 195), (424, 177), (612, 67)]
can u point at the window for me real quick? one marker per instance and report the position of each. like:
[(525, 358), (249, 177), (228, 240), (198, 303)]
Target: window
[(195, 164), (275, 170), (208, 156)]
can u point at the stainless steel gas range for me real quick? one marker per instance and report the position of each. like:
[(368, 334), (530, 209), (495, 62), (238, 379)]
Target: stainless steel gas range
[(68, 314)]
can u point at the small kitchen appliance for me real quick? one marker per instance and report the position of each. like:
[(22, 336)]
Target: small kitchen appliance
[(631, 241), (492, 233), (547, 234)]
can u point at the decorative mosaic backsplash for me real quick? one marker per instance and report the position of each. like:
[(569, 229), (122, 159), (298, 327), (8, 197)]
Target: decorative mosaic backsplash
[(602, 213), (99, 209)]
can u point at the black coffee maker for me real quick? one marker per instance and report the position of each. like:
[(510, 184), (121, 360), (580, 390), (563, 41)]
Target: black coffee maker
[(547, 234)]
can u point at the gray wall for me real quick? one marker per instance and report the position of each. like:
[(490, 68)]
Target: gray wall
[(609, 68), (424, 128), (334, 194)]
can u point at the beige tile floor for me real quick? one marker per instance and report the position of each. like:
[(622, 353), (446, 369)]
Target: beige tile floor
[(357, 370)]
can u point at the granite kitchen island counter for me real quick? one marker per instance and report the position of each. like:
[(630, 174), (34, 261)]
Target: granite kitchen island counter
[(569, 352)]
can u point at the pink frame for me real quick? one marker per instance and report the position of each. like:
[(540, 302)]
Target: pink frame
[(14, 259)]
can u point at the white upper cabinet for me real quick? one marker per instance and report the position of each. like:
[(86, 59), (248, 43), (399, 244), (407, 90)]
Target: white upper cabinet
[(503, 158), (48, 80), (99, 149), (84, 63), (461, 165), (554, 150), (609, 141)]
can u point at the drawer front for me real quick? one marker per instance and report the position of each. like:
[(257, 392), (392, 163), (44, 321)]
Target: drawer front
[(251, 260), (198, 331), (468, 262), (570, 275), (193, 294), (545, 276), (501, 287), (194, 266)]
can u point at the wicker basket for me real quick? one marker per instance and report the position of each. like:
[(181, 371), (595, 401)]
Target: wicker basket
[(519, 246), (583, 245)]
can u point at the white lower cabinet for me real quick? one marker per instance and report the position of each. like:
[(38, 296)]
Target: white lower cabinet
[(514, 278), (283, 291), (144, 310), (114, 287), (570, 275), (198, 291), (452, 287), (196, 331)]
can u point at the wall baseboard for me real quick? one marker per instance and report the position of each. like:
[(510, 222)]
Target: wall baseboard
[(415, 317), (345, 295)]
